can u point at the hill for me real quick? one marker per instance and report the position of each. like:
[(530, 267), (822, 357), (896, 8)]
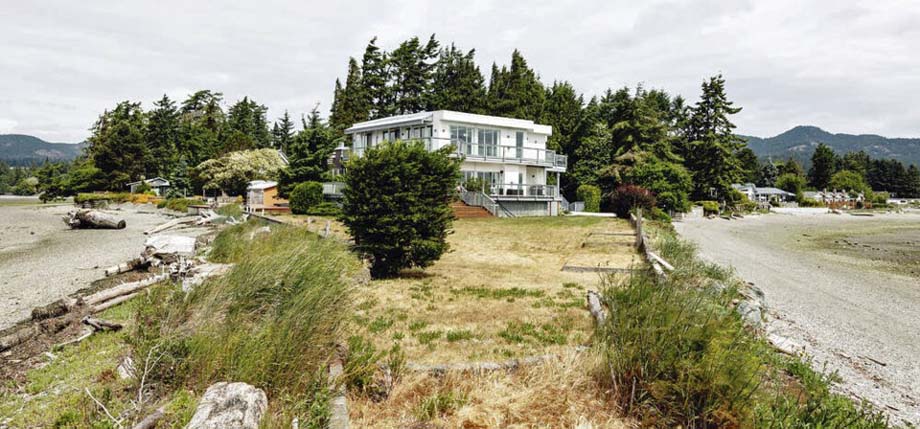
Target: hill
[(19, 149), (800, 142)]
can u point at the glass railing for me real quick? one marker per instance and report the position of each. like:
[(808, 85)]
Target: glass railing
[(494, 152), (517, 190)]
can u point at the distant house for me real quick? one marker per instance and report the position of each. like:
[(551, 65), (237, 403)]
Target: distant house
[(159, 185), (262, 196), (765, 194), (834, 196)]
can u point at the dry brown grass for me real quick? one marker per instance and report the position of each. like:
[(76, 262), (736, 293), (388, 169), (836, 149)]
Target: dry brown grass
[(558, 394), (499, 293)]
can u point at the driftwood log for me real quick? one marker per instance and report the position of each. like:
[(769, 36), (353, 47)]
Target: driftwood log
[(93, 219), (121, 290), (596, 307), (339, 405)]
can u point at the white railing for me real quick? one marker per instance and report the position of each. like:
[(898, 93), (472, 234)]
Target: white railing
[(493, 152), (479, 199), (516, 190), (333, 188)]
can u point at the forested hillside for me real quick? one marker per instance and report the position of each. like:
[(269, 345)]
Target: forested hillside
[(801, 141), (18, 149)]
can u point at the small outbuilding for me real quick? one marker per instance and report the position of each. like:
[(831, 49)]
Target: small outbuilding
[(262, 196), (159, 185)]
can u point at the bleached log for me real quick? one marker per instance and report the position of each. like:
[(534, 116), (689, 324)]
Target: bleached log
[(113, 302), (339, 406), (170, 224), (596, 307), (124, 289), (661, 261), (93, 219), (124, 267)]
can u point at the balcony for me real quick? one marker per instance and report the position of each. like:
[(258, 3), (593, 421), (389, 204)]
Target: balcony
[(496, 153), (512, 191)]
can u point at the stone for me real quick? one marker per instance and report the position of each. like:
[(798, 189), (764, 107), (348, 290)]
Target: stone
[(231, 406), (751, 313)]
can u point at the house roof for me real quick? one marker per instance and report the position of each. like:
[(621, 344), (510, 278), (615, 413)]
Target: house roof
[(261, 185), (771, 191), (163, 182), (450, 116)]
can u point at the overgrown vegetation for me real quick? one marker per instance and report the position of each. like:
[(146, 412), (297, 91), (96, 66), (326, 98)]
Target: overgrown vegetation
[(591, 195), (179, 204), (272, 321), (677, 355), (305, 197)]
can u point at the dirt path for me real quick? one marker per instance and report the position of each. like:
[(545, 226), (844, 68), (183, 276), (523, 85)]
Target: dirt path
[(41, 260), (861, 321)]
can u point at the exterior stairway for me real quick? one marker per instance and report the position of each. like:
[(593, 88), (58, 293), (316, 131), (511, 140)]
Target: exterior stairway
[(464, 211)]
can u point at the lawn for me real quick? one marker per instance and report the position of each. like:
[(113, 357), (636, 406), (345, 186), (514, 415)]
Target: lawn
[(499, 293)]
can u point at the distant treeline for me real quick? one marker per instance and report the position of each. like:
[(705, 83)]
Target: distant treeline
[(635, 135)]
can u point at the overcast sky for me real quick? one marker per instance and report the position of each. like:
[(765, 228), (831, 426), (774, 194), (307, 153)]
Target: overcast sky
[(846, 66)]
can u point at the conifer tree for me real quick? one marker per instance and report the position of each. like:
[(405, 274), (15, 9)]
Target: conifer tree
[(283, 132), (712, 156), (411, 69), (374, 76), (117, 145), (162, 136), (563, 111), (823, 166), (768, 174), (350, 104), (457, 83), (308, 154), (247, 127), (202, 121), (516, 91)]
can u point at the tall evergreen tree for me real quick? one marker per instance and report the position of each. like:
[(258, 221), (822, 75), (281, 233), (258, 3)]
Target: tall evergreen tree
[(283, 132), (411, 69), (308, 154), (374, 76), (162, 135), (856, 161), (750, 166), (563, 111), (823, 166), (768, 174), (457, 83), (516, 91), (712, 157), (118, 146), (350, 104), (247, 127), (202, 121)]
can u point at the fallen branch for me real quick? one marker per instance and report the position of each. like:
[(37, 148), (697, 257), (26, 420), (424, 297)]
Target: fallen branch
[(101, 325), (124, 289), (150, 421), (596, 307), (106, 410), (86, 334), (113, 302)]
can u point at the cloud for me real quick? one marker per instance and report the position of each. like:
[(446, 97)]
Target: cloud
[(847, 66)]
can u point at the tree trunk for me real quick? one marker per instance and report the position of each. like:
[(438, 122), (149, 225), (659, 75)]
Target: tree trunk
[(93, 219)]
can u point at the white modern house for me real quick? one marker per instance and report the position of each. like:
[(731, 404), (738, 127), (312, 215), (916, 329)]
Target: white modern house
[(508, 154)]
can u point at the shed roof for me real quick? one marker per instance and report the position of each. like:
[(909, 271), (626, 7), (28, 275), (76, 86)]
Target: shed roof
[(261, 185)]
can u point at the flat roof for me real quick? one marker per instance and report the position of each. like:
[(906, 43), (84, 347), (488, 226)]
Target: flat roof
[(450, 116)]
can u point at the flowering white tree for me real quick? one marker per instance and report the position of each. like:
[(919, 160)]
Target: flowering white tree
[(233, 171)]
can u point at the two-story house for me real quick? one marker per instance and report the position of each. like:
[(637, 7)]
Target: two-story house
[(508, 154)]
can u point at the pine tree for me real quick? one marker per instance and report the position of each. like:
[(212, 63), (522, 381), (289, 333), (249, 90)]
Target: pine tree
[(202, 121), (712, 157), (457, 83), (516, 92), (308, 154), (117, 145), (823, 166), (768, 174), (562, 111), (750, 165), (912, 190), (283, 132), (374, 76), (411, 69), (350, 105), (162, 135), (247, 127)]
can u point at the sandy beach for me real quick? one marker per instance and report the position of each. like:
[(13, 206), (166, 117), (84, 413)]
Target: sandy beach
[(42, 260), (846, 288)]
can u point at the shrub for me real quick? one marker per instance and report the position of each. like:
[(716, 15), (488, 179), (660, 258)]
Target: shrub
[(476, 184), (810, 202), (396, 205), (626, 198), (179, 204), (791, 183), (305, 196), (710, 207), (326, 208), (591, 195), (670, 182), (115, 197)]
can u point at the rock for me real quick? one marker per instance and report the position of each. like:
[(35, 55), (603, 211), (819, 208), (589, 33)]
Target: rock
[(751, 313), (229, 405), (169, 248)]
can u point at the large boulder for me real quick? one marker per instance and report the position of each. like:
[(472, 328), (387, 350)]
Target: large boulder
[(229, 406)]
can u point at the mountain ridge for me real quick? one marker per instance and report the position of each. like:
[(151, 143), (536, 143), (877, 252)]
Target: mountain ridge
[(23, 149), (799, 142)]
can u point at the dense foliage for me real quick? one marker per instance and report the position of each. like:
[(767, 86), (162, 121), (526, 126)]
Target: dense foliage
[(396, 205), (233, 171), (626, 198), (591, 196), (305, 196)]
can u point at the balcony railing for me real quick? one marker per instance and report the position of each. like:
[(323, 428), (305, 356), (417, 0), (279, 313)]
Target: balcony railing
[(490, 152), (516, 190)]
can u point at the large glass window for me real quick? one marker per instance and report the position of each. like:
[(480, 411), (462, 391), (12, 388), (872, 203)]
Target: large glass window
[(488, 142), (462, 137)]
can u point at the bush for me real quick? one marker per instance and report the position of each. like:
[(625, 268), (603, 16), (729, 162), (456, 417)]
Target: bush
[(305, 196), (791, 183), (115, 197), (326, 208), (626, 198), (710, 207), (591, 195), (179, 204), (810, 202), (476, 184), (396, 205)]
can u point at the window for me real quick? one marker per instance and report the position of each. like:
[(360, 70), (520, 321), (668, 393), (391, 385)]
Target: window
[(488, 142), (519, 144), (462, 137)]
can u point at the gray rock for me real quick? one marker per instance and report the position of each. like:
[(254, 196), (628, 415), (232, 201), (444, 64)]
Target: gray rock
[(229, 405), (751, 313)]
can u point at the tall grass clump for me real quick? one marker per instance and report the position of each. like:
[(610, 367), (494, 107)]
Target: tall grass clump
[(675, 357), (273, 321)]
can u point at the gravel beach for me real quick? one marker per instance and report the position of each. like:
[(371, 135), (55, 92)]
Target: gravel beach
[(42, 260), (847, 309)]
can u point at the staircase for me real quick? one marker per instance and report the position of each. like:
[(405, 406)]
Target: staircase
[(465, 211)]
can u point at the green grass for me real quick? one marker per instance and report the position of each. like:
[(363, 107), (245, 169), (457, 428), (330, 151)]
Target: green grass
[(498, 293), (439, 404)]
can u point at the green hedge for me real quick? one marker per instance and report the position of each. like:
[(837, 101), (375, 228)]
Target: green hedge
[(305, 196), (591, 195), (115, 197)]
